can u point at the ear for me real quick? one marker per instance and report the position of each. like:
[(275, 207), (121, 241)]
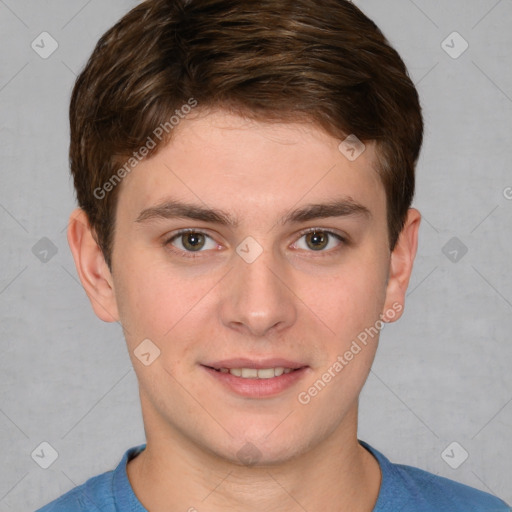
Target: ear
[(92, 269), (400, 267)]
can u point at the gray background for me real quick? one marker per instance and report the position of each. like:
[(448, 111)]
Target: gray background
[(442, 372)]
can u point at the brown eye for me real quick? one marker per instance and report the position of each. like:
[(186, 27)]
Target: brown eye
[(317, 240), (193, 241), (191, 244)]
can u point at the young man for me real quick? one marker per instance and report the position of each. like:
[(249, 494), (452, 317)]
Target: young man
[(245, 172)]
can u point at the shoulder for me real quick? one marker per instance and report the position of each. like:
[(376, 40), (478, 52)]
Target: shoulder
[(435, 493), (409, 488), (100, 492), (95, 494)]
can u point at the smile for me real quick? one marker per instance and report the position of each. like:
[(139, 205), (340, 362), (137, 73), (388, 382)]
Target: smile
[(254, 373), (263, 382)]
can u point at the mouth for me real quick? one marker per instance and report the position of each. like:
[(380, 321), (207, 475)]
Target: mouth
[(256, 379), (256, 373)]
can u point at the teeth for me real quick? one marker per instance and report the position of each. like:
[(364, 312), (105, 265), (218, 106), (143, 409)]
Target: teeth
[(264, 373), (253, 373), (249, 373)]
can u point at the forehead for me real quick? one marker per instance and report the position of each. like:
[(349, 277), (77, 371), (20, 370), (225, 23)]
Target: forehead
[(251, 168)]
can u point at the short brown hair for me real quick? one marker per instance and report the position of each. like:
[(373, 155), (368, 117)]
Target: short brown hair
[(285, 60)]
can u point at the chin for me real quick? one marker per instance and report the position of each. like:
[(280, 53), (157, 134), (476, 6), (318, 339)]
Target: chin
[(263, 447)]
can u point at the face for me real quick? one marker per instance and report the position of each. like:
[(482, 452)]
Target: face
[(254, 257)]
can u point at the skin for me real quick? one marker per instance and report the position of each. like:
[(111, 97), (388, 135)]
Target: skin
[(293, 302)]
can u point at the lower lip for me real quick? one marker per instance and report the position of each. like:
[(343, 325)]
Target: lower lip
[(257, 388)]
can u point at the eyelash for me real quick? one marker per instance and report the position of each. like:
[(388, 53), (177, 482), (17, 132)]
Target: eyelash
[(196, 254)]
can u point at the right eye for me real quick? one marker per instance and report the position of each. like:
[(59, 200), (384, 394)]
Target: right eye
[(190, 241)]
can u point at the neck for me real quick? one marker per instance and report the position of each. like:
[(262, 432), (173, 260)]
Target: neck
[(173, 473)]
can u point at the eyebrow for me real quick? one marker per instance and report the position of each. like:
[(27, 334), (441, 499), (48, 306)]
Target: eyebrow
[(171, 209)]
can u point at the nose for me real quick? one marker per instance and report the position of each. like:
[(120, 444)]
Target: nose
[(257, 298)]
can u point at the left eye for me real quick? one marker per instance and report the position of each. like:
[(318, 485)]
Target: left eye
[(318, 240), (192, 241)]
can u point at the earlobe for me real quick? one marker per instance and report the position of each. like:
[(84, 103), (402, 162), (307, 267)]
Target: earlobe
[(92, 269), (400, 267)]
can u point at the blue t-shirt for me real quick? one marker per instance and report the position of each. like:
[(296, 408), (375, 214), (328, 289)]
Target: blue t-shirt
[(403, 489)]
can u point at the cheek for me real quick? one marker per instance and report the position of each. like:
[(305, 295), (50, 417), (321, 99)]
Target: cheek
[(350, 299), (155, 303), (351, 307)]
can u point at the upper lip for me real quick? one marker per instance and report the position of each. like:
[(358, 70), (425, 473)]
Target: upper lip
[(243, 362)]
